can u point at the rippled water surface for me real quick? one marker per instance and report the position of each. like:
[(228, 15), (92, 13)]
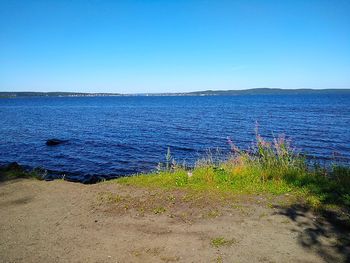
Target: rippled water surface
[(110, 136)]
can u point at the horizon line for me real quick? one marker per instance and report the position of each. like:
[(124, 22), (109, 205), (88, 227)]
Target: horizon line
[(185, 92)]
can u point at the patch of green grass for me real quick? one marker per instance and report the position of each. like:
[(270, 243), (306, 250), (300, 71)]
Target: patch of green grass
[(213, 214), (219, 259), (267, 168), (171, 198), (159, 210), (221, 241), (316, 189), (110, 197)]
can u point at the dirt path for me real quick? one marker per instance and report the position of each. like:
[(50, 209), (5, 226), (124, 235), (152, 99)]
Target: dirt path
[(69, 222)]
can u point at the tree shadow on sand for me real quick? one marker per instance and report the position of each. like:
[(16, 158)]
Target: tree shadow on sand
[(326, 233)]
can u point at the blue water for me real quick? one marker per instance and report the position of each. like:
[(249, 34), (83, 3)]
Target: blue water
[(112, 136)]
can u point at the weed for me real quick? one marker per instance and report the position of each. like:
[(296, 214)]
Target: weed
[(168, 159), (221, 241)]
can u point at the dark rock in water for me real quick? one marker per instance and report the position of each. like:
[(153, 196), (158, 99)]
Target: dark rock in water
[(53, 142)]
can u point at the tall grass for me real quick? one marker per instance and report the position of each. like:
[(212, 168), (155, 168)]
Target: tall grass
[(266, 167)]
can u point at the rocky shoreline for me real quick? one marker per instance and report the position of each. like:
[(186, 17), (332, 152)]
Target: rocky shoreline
[(15, 170)]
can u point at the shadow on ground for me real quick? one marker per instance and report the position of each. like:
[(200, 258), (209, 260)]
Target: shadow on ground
[(19, 201), (326, 233)]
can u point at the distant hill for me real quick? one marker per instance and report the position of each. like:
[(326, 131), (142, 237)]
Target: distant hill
[(268, 91), (258, 91), (53, 94)]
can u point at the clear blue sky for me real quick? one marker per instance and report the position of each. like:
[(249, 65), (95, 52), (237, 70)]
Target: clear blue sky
[(160, 46)]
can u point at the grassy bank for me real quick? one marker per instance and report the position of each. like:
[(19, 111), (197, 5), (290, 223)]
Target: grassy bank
[(267, 167)]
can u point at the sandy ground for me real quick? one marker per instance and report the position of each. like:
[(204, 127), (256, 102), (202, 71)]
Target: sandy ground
[(69, 222)]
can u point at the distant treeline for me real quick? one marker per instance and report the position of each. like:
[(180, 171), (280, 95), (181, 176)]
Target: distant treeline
[(268, 91), (52, 94), (258, 91)]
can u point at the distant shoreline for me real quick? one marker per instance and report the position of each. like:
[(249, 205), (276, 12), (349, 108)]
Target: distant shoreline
[(258, 91)]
